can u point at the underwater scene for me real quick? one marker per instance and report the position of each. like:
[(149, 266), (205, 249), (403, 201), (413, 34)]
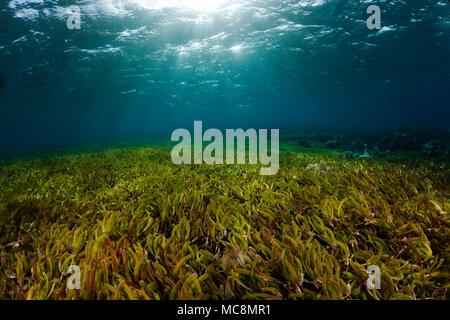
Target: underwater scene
[(224, 150)]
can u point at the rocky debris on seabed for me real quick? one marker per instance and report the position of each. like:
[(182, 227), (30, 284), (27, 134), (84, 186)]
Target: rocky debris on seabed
[(357, 156), (432, 148), (319, 167)]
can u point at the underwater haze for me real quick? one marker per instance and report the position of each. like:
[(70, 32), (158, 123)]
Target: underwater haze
[(138, 69)]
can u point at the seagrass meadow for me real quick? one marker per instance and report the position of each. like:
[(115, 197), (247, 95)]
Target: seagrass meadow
[(140, 227)]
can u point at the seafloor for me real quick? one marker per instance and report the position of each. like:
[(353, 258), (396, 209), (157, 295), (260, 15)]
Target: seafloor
[(140, 227)]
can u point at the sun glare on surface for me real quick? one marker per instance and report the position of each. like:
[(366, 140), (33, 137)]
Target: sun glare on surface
[(203, 4), (199, 5)]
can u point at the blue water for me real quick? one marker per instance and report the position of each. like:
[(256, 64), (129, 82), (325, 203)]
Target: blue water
[(139, 69)]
